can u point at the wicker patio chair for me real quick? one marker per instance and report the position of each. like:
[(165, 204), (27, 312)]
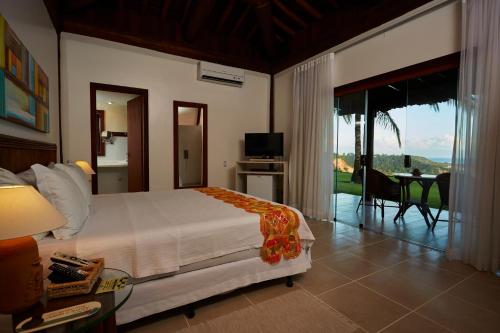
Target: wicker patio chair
[(381, 188), (443, 182)]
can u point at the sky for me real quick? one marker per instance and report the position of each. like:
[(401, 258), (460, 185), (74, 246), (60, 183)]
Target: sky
[(424, 132)]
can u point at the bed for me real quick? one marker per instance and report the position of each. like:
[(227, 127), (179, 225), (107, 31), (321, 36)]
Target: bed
[(180, 246)]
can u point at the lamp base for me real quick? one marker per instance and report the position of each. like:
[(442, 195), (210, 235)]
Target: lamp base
[(21, 274)]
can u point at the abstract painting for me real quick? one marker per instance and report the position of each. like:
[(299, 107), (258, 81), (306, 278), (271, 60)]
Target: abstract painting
[(24, 86)]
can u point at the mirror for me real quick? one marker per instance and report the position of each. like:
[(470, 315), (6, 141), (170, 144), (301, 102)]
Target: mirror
[(100, 127), (190, 144)]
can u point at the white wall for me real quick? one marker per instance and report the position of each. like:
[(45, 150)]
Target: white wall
[(231, 111), (30, 21), (426, 37)]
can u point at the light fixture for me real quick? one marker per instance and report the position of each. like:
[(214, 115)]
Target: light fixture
[(109, 102), (85, 166), (23, 212), (392, 87)]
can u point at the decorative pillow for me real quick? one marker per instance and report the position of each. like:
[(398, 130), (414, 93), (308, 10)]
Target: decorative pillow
[(79, 178), (9, 178), (58, 188), (28, 176)]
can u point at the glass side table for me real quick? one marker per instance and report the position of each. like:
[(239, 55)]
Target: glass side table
[(102, 321)]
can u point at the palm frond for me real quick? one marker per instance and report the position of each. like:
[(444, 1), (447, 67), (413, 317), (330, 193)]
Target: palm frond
[(347, 118), (385, 120), (449, 102)]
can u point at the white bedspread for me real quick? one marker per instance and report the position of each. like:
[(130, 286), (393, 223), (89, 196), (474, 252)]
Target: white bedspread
[(157, 232)]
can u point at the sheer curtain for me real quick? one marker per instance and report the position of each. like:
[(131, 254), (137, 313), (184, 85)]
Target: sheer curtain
[(474, 233), (311, 151)]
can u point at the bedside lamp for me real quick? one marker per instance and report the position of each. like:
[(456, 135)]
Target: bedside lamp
[(23, 212), (85, 166)]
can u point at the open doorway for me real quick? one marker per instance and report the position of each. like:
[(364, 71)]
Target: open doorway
[(119, 138), (190, 144)]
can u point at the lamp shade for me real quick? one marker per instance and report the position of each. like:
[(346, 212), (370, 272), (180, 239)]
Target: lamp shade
[(85, 166), (25, 212)]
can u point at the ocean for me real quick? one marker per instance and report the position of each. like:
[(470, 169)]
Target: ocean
[(440, 159)]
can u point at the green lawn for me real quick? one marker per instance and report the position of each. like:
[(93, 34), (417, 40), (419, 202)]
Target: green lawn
[(344, 185)]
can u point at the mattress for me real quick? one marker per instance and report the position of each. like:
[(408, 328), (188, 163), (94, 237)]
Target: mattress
[(151, 234)]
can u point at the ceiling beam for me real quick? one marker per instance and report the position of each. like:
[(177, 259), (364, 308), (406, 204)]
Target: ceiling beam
[(265, 19), (186, 11), (76, 5), (310, 9), (145, 4), (334, 3), (289, 13), (164, 9), (198, 18), (240, 20), (252, 32), (225, 15), (283, 26)]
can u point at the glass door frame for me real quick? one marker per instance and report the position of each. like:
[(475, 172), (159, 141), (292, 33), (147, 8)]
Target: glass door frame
[(363, 152)]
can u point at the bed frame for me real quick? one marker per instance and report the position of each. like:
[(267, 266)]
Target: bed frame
[(18, 154)]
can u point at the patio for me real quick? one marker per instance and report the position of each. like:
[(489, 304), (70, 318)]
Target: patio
[(410, 228)]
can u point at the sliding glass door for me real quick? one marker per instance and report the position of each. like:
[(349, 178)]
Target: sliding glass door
[(384, 134), (349, 157)]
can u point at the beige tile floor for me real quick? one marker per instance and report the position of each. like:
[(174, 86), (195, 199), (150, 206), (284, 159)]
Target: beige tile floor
[(382, 284)]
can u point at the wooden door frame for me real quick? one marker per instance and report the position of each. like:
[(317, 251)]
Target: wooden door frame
[(94, 87), (178, 104)]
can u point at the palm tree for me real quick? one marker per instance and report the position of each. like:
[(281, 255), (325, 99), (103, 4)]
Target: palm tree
[(384, 119)]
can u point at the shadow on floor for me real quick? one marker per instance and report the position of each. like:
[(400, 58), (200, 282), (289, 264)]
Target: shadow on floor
[(410, 228)]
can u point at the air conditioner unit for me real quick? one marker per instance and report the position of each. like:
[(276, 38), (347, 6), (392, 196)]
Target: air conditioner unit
[(220, 74)]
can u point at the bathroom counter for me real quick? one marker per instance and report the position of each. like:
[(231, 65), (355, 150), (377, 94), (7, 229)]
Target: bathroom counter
[(112, 164)]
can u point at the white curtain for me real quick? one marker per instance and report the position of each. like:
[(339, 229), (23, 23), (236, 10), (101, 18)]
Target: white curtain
[(474, 233), (311, 151)]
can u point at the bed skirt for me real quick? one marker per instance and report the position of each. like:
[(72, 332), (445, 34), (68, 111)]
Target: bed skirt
[(163, 294)]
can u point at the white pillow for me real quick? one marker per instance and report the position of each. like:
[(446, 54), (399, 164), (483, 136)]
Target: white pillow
[(9, 178), (58, 188), (79, 177), (28, 176)]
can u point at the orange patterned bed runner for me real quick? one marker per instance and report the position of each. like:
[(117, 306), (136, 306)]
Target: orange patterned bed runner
[(278, 224)]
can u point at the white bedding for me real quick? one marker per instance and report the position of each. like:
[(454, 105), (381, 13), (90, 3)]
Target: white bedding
[(153, 233)]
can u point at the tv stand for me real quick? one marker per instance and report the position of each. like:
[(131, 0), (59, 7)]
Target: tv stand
[(265, 167)]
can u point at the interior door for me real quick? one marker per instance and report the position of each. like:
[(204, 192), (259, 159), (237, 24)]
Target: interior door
[(135, 124)]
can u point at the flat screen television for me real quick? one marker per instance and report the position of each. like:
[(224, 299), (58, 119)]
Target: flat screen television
[(263, 144)]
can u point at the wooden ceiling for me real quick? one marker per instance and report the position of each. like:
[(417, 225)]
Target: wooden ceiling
[(262, 35)]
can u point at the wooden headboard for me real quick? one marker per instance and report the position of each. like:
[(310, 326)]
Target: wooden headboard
[(18, 154)]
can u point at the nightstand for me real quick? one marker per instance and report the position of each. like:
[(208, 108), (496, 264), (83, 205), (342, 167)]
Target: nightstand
[(102, 321)]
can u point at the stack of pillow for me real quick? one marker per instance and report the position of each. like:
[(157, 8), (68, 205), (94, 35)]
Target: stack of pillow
[(65, 186)]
